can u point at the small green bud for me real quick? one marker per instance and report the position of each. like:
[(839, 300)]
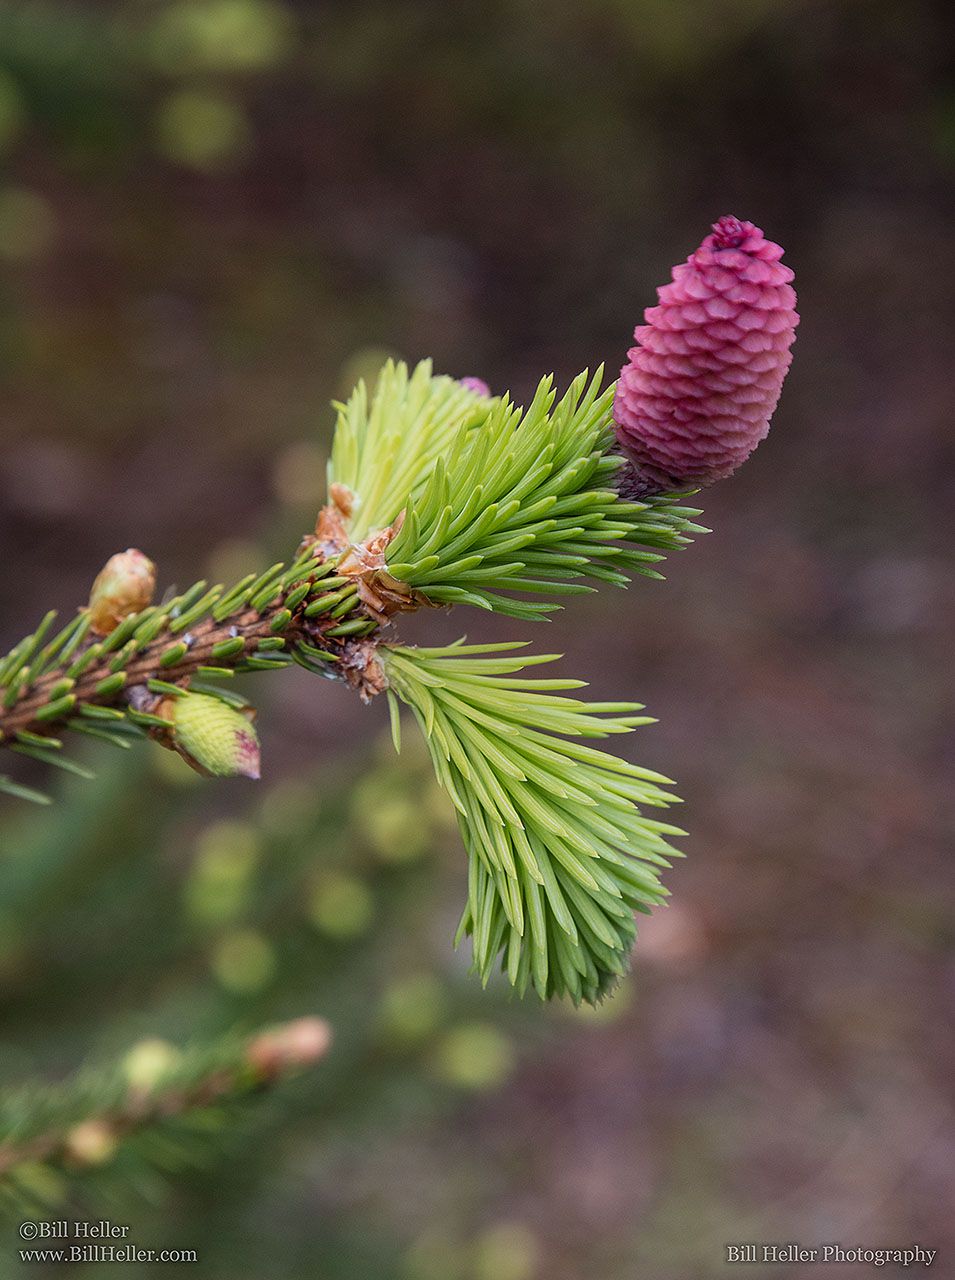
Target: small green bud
[(148, 1062), (213, 737), (124, 586)]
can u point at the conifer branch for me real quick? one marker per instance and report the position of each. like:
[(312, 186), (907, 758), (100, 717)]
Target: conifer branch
[(438, 495), (83, 1122), (119, 685), (442, 494), (457, 493)]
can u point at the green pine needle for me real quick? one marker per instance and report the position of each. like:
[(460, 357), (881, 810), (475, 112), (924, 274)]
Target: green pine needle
[(559, 853), (10, 788)]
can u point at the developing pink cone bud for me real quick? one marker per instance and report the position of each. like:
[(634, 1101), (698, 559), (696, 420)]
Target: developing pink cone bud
[(477, 385), (213, 737), (700, 386), (124, 586), (294, 1044)]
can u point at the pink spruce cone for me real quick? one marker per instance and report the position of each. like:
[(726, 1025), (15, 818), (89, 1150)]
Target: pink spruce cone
[(700, 386)]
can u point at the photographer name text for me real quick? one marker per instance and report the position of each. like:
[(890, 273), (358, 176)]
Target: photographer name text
[(911, 1256), (63, 1229)]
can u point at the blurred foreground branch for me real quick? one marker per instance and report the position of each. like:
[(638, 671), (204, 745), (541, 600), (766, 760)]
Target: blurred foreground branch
[(83, 1122)]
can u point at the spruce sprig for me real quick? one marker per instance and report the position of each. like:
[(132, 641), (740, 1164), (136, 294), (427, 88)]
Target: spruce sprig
[(559, 854), (527, 504), (438, 495), (388, 440)]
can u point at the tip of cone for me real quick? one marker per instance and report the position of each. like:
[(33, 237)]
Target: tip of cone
[(728, 232), (249, 757)]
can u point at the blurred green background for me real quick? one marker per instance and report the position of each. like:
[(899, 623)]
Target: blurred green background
[(214, 214)]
